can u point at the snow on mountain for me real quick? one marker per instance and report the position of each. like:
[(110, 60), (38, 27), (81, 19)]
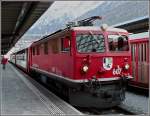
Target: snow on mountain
[(114, 12)]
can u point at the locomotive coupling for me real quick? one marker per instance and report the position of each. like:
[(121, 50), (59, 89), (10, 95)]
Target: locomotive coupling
[(129, 77), (123, 81)]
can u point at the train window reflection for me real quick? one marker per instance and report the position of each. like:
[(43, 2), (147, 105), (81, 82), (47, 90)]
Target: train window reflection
[(118, 43), (90, 43)]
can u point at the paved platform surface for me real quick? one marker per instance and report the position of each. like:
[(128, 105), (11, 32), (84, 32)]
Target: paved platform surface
[(136, 103), (19, 96)]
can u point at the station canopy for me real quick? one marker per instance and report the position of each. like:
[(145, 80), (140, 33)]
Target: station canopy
[(17, 18), (136, 25)]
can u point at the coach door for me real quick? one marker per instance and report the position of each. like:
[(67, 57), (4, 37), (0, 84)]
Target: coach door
[(139, 65), (142, 63), (145, 63), (134, 59)]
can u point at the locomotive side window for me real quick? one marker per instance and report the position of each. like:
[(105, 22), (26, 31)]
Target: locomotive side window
[(37, 50), (46, 48), (65, 43), (55, 46), (33, 51), (90, 43), (118, 43)]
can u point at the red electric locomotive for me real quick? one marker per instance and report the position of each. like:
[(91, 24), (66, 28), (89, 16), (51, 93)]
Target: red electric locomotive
[(140, 60), (89, 65)]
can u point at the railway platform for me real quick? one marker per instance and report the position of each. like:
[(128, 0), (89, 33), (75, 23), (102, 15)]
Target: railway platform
[(21, 95), (138, 104)]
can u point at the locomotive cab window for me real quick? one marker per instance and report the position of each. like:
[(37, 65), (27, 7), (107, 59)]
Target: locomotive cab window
[(118, 43), (65, 42), (90, 43)]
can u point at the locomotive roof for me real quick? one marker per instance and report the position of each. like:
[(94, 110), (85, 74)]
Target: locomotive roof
[(98, 28), (84, 28)]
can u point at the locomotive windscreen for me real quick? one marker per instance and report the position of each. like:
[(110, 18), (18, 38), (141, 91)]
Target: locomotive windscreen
[(90, 43), (118, 43)]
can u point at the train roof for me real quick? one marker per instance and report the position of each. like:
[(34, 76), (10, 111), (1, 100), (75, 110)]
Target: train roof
[(139, 35), (82, 28), (86, 28)]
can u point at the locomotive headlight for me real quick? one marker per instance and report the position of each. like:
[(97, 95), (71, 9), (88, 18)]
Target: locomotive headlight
[(127, 66), (85, 68)]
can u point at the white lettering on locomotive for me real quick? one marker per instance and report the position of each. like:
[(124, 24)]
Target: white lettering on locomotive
[(117, 70)]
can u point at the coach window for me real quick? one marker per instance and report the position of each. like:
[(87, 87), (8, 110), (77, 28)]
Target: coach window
[(33, 51), (145, 48), (46, 48), (133, 52), (142, 52), (65, 43), (139, 52)]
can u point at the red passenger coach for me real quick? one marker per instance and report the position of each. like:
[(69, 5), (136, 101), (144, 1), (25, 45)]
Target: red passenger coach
[(88, 65), (140, 60)]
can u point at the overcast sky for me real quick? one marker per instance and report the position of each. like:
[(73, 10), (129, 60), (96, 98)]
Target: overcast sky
[(71, 8)]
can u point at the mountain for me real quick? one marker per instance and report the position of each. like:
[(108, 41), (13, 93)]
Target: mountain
[(114, 12)]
